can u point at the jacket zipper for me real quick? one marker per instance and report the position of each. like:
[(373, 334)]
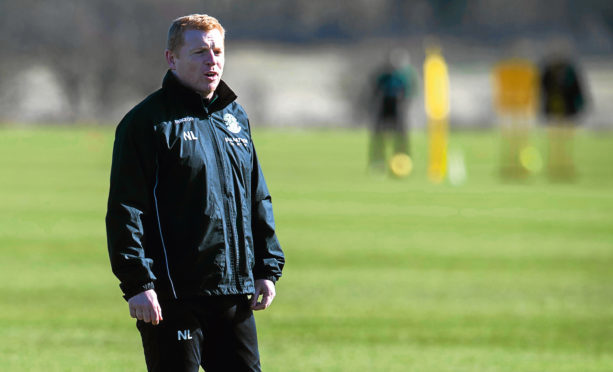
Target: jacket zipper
[(226, 205)]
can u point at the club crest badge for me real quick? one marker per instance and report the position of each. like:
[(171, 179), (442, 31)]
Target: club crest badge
[(231, 123)]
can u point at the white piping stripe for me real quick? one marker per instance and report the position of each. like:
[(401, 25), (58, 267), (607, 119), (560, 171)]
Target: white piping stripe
[(157, 214)]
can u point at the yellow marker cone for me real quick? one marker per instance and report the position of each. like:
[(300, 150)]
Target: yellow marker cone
[(530, 158), (401, 165)]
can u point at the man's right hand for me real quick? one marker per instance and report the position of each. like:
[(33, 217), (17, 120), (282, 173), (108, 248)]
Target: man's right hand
[(145, 306)]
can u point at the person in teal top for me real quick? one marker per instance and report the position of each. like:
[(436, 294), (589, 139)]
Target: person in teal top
[(394, 86)]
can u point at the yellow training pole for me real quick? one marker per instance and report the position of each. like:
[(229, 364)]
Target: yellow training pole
[(436, 90)]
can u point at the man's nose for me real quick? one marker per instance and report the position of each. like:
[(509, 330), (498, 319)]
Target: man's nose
[(210, 58)]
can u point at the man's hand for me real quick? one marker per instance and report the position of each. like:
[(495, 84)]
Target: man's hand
[(266, 289), (145, 306)]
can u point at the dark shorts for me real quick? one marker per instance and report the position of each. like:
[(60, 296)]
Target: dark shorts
[(217, 333)]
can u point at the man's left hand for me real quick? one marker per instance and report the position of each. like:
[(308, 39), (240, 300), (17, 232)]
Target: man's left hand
[(266, 289)]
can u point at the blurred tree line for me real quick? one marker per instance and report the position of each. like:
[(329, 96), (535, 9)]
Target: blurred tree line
[(93, 47)]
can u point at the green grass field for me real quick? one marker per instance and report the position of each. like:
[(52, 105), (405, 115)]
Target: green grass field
[(381, 275)]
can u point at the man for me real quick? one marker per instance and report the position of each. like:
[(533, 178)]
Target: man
[(191, 234), (563, 100), (394, 85)]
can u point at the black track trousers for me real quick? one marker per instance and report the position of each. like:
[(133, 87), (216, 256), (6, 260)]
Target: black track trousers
[(216, 332)]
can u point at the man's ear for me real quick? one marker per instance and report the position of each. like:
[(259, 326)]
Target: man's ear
[(170, 59)]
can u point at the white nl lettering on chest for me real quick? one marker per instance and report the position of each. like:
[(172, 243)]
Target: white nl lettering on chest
[(188, 135)]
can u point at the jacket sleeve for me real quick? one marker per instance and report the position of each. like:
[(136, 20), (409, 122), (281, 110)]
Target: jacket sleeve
[(130, 205), (269, 258)]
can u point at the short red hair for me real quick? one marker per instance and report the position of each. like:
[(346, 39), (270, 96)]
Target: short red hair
[(178, 27)]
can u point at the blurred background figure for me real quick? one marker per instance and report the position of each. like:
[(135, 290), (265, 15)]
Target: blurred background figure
[(394, 86), (436, 100), (563, 99), (515, 83)]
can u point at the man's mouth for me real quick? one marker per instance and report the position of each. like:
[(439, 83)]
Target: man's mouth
[(211, 74)]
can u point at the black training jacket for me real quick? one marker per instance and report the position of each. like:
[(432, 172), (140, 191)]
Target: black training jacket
[(189, 212)]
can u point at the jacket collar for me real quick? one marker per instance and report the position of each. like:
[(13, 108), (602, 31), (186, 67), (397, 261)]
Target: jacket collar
[(192, 100)]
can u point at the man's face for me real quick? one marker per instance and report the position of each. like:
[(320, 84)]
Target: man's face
[(199, 62)]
